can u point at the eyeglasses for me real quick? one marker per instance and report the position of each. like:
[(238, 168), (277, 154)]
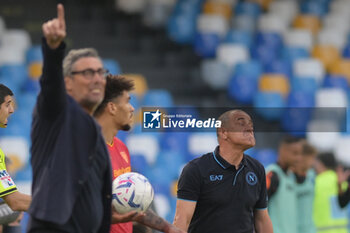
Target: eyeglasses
[(90, 73)]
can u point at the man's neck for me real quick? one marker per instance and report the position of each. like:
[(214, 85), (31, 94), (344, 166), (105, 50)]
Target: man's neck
[(231, 154), (108, 129)]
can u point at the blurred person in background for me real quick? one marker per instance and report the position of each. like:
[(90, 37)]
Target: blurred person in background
[(13, 199), (225, 190), (332, 194), (113, 114), (281, 186), (305, 188)]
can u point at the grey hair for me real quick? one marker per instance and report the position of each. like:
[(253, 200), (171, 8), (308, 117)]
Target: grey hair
[(74, 55)]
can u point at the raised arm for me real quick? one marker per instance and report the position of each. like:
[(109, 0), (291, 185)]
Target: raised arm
[(52, 97)]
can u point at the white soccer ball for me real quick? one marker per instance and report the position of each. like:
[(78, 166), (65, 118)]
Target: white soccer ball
[(131, 192)]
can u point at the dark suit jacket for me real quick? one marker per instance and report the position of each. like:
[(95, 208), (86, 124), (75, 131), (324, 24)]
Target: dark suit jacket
[(64, 140)]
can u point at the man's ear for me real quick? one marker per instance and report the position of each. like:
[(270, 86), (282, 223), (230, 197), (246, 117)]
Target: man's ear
[(112, 108), (223, 133)]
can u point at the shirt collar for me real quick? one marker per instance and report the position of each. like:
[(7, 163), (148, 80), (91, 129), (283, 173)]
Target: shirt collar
[(223, 163)]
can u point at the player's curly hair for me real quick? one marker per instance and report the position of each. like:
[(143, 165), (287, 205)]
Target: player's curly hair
[(115, 86)]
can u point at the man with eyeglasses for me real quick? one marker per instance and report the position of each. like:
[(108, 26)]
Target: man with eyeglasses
[(71, 169)]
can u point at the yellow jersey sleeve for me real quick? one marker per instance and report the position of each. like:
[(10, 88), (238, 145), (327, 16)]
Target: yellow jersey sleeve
[(7, 185)]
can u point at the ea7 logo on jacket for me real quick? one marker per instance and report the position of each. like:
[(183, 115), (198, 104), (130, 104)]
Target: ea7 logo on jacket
[(216, 177)]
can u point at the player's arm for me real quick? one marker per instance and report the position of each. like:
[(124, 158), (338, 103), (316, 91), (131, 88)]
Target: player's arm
[(184, 213), (18, 201), (262, 221), (272, 183), (153, 221), (188, 193), (52, 96), (148, 218)]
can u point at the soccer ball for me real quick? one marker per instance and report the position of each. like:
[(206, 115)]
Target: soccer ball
[(131, 192)]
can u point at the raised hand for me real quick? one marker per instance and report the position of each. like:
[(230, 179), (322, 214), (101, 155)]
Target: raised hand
[(55, 30)]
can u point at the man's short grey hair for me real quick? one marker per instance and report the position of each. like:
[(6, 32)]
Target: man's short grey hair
[(74, 55)]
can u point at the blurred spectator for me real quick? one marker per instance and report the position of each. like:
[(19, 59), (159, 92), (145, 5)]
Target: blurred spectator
[(281, 188), (305, 186), (332, 194)]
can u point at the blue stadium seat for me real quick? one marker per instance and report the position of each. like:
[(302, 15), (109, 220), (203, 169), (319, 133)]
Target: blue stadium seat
[(16, 72), (112, 66), (304, 84), (347, 121), (301, 99), (136, 129), (24, 222), (158, 98), (139, 163), (280, 67), (251, 67), (175, 141), (264, 54), (26, 101), (122, 135), (11, 83), (248, 8), (242, 37), (266, 156), (182, 28), (31, 85), (34, 54), (19, 124), (336, 81), (251, 152), (346, 50), (160, 188), (314, 7), (172, 160), (269, 105), (25, 174), (293, 53), (135, 102), (205, 44), (298, 112), (269, 39), (243, 88), (188, 7), (159, 176), (295, 121), (170, 216)]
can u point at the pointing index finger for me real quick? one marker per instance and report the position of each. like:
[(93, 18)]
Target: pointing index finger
[(60, 14)]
